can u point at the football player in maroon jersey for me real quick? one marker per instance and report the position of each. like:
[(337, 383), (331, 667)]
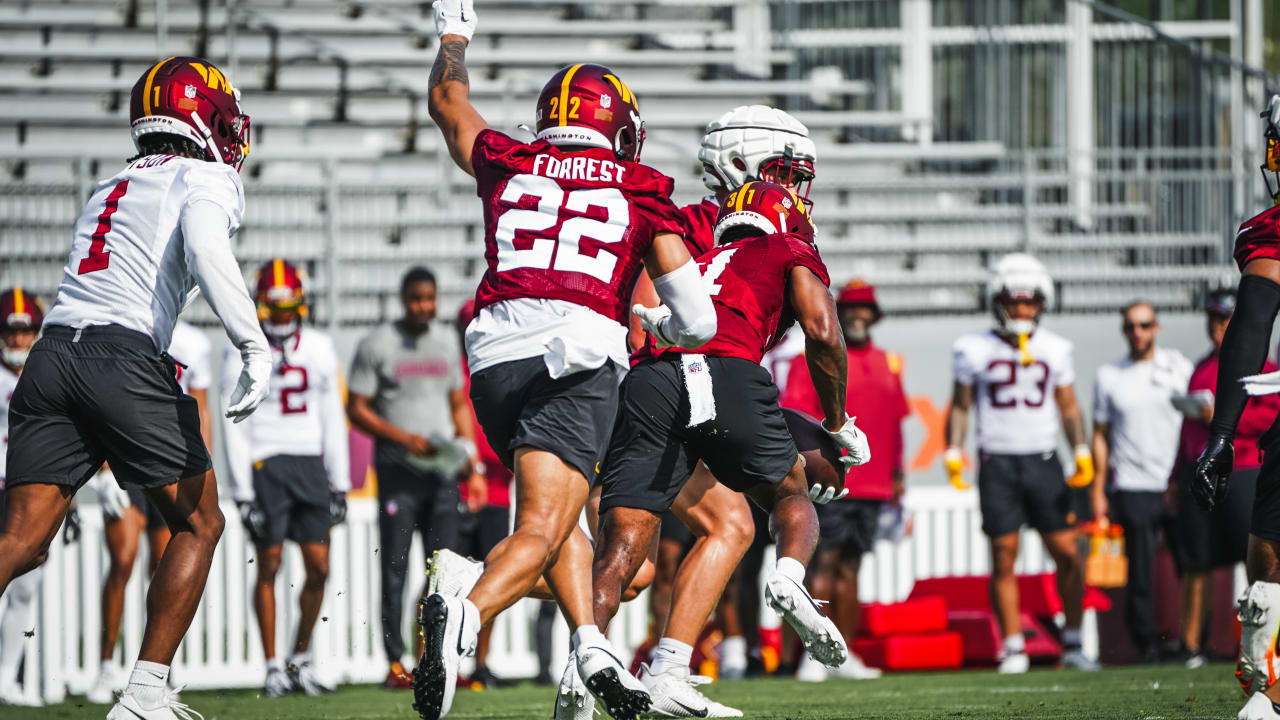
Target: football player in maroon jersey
[(570, 221), (716, 404), (1243, 353)]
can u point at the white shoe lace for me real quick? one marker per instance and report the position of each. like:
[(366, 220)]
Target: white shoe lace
[(180, 709)]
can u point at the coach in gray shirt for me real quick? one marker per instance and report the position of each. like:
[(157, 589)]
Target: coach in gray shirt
[(406, 391)]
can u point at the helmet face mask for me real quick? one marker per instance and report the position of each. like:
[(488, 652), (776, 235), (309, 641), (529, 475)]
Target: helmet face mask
[(1271, 133)]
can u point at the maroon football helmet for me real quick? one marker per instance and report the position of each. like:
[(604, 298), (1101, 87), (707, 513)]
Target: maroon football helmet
[(20, 310), (590, 105), (767, 207), (190, 98), (280, 287)]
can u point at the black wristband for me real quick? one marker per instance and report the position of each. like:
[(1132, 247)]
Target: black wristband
[(1244, 349)]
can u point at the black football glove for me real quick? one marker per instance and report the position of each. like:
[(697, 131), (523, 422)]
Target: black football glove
[(71, 528), (1212, 477), (253, 519), (337, 507)]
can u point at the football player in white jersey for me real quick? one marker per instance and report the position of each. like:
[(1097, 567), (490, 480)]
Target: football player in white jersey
[(99, 385), (126, 513), (289, 468), (20, 319), (1021, 377)]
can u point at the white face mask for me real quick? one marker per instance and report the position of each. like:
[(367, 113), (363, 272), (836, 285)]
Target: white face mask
[(14, 358), (280, 331), (857, 332), (1020, 327)]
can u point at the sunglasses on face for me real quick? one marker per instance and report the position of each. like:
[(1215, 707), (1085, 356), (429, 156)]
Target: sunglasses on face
[(1129, 327)]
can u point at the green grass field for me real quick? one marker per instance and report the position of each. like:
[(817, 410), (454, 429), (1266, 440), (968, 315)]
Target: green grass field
[(1120, 692)]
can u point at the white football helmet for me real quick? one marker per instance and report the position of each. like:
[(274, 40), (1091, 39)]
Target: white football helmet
[(1018, 276), (757, 142)]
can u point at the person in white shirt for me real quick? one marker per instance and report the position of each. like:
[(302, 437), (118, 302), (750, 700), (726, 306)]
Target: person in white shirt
[(289, 467), (99, 384), (1135, 443), (127, 512), (1021, 377), (20, 319)]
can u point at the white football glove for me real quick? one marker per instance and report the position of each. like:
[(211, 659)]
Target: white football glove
[(111, 497), (854, 441), (455, 17), (653, 320), (1263, 384), (251, 389), (821, 497)]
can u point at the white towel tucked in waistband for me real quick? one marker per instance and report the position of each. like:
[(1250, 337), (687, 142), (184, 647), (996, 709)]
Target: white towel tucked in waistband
[(697, 381)]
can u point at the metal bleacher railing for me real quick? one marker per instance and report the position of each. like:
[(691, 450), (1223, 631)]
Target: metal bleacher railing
[(1120, 148)]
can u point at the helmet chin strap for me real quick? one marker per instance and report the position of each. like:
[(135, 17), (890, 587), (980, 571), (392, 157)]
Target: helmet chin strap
[(1020, 329), (209, 144)]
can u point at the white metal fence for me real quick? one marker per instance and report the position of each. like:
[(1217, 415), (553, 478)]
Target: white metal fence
[(223, 649)]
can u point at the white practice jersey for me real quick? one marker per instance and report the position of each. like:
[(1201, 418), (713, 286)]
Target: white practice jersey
[(1016, 410), (302, 415), (128, 264), (8, 381), (192, 348)]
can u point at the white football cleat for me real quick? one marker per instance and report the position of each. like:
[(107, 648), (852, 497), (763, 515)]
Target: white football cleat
[(606, 678), (673, 694), (104, 689), (573, 702), (855, 669), (451, 574), (306, 679), (1015, 664), (13, 695), (278, 683), (821, 638), (1259, 612), (448, 637), (128, 708), (810, 670), (1259, 707), (1077, 660)]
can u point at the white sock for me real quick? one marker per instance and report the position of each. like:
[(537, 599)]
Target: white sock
[(147, 683), (1071, 638), (589, 634), (791, 568), (670, 654), (297, 660), (471, 623), (274, 664), (17, 617), (733, 651), (1015, 644), (106, 668)]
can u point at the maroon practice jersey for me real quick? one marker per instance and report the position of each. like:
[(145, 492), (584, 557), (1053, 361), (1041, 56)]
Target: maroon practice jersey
[(747, 280), (1259, 237), (570, 226), (700, 225)]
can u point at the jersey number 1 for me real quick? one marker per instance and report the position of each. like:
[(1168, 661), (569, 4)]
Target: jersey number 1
[(99, 257)]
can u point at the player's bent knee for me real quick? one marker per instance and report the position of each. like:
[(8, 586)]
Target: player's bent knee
[(642, 580)]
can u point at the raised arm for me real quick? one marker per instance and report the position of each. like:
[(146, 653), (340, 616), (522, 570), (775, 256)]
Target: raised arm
[(686, 317), (449, 87)]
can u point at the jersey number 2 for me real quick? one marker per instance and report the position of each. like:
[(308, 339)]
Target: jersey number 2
[(550, 199), (293, 399), (99, 257)]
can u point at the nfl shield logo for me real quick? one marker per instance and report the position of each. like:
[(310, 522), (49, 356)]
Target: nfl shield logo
[(605, 101), (191, 91)]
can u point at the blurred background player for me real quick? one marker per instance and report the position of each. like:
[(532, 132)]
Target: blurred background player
[(849, 526), (20, 320), (1022, 376), (1203, 539), (719, 406), (1135, 444), (407, 392), (1243, 352), (99, 385), (549, 338), (127, 513), (289, 468)]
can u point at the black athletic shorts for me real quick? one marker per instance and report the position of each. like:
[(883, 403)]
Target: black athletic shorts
[(1266, 503), (138, 499), (102, 393), (519, 404), (1200, 540), (1017, 490), (652, 452), (479, 532), (848, 525), (293, 493)]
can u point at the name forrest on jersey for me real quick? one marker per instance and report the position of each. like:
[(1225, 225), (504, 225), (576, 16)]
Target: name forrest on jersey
[(578, 168)]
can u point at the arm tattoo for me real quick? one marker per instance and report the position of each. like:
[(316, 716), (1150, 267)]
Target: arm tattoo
[(1073, 425), (450, 65)]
